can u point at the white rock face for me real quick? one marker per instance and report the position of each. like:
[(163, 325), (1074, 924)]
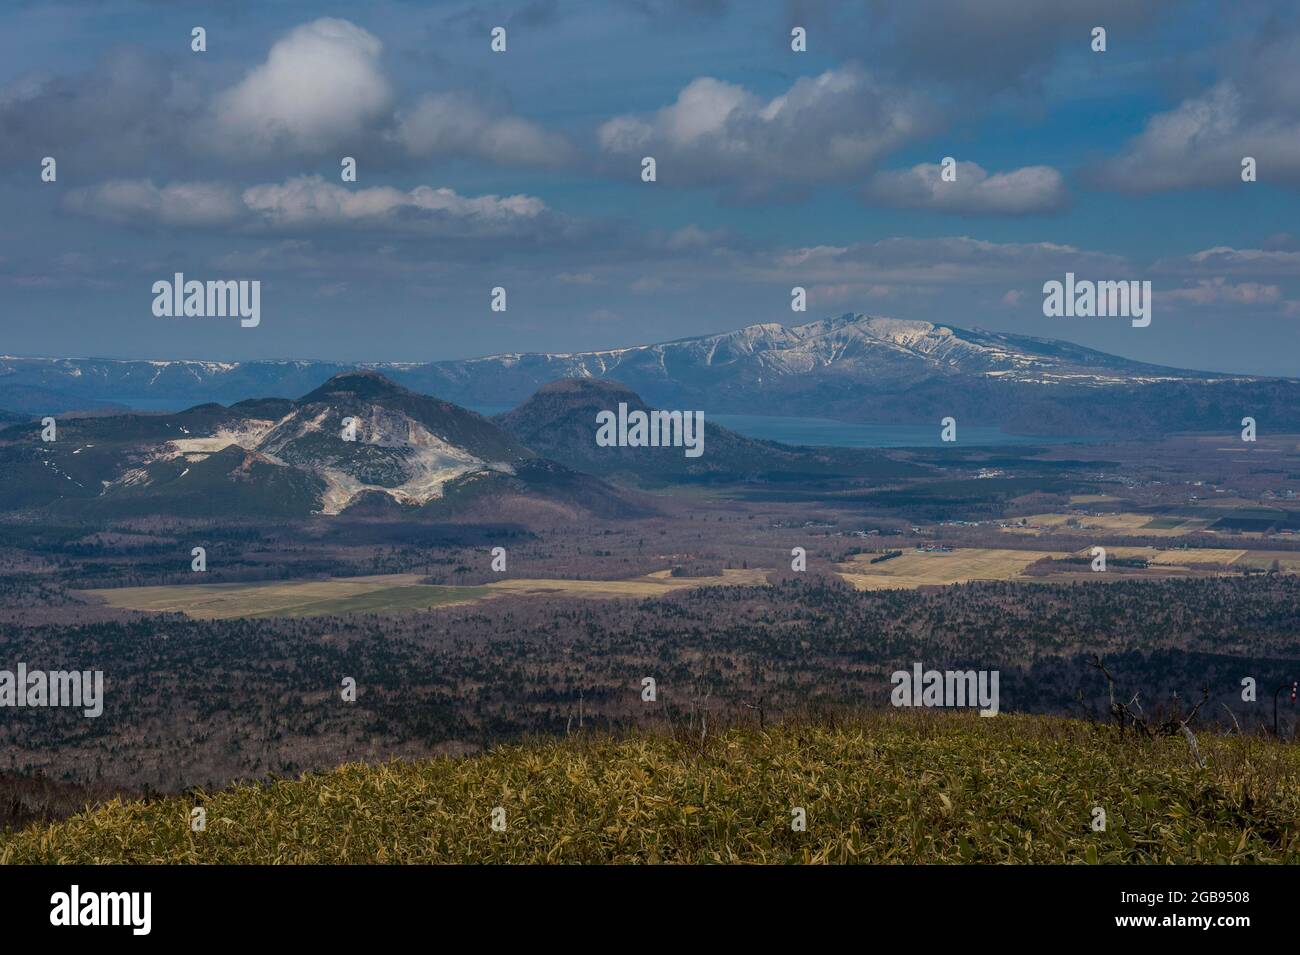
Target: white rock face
[(421, 462)]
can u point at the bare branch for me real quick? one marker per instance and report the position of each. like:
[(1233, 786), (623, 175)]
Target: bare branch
[(1234, 717)]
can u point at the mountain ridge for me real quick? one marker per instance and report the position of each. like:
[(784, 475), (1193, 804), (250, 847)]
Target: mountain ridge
[(357, 439), (559, 421), (886, 331), (851, 367)]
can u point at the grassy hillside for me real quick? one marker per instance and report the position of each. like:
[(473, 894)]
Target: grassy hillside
[(889, 788)]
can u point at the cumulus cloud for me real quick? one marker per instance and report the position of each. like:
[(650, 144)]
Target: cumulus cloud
[(323, 89), (309, 203), (320, 87), (463, 125), (320, 92), (1224, 276), (824, 128), (1029, 190), (1201, 142)]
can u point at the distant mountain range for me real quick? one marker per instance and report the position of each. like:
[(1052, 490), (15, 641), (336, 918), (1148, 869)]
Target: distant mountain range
[(853, 368)]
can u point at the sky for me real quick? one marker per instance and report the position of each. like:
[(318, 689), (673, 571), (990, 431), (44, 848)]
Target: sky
[(522, 169)]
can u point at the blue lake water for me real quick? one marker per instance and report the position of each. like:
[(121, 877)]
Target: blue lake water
[(816, 432), (823, 432), (842, 434)]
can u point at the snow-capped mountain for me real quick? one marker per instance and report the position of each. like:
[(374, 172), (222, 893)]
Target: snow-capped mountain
[(854, 367), (879, 350)]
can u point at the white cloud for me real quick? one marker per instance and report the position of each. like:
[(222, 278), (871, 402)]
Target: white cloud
[(1026, 191), (185, 204), (1201, 142), (824, 128), (309, 203), (462, 125), (320, 87), (1218, 291), (950, 260), (320, 92), (1225, 260)]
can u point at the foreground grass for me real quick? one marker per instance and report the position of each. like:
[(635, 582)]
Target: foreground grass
[(890, 788)]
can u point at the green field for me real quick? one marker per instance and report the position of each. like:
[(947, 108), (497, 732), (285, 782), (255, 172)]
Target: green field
[(1164, 523), (897, 788)]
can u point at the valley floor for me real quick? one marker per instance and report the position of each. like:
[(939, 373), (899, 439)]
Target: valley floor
[(913, 567)]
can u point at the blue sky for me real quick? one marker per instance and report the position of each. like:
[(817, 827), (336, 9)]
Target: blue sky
[(522, 169)]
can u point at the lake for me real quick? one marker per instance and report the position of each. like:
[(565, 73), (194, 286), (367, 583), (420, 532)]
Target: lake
[(817, 432), (842, 434), (824, 432)]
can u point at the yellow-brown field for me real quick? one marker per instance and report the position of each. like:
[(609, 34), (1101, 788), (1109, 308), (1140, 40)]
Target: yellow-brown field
[(1287, 560), (1199, 555), (216, 601), (938, 568), (651, 585), (1119, 523), (383, 592), (1174, 557), (918, 568)]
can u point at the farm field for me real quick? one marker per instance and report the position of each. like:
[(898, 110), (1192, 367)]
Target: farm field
[(939, 568), (1287, 560), (931, 568), (385, 593), (382, 593), (1176, 557), (1177, 562), (1122, 522)]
